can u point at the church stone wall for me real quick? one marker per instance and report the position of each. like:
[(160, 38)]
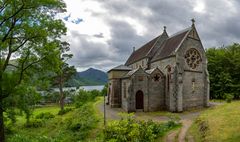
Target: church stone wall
[(167, 98), (193, 79), (115, 93), (116, 74), (193, 92), (139, 82), (141, 63), (162, 64), (156, 93), (115, 99), (126, 91)]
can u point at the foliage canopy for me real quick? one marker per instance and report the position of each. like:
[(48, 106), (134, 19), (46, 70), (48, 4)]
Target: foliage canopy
[(224, 71)]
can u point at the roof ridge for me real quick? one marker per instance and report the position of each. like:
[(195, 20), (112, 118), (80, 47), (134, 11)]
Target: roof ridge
[(158, 44), (180, 32), (160, 50), (147, 43), (141, 52), (158, 37), (182, 41)]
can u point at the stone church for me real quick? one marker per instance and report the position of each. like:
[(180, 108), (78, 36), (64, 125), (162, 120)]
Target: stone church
[(167, 73)]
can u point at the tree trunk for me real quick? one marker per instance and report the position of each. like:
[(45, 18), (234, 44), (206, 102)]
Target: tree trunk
[(61, 102), (2, 136)]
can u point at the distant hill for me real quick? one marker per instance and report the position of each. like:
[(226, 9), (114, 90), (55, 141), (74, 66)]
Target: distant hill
[(90, 76)]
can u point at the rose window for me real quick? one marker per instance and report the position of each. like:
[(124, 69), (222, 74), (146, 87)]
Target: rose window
[(193, 58)]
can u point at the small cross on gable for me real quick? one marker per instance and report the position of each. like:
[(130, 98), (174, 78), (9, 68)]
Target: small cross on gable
[(156, 77)]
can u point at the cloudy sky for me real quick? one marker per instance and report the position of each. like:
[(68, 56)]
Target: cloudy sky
[(103, 32)]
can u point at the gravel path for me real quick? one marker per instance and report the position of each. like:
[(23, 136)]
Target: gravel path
[(186, 125)]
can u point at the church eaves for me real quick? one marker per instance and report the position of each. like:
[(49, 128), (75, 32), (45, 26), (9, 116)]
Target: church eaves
[(121, 68)]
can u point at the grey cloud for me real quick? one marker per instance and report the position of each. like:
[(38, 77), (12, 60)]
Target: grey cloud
[(124, 37), (218, 25), (90, 54)]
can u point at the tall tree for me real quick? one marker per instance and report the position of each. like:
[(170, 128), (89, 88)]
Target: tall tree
[(64, 73), (29, 33)]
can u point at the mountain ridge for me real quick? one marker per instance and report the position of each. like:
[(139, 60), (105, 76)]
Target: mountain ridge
[(91, 76)]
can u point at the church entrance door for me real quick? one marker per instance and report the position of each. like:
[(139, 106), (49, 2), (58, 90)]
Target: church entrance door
[(139, 100)]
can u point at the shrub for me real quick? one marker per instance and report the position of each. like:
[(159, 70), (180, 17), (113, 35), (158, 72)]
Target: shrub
[(35, 123), (64, 111), (104, 90), (24, 138), (229, 97), (44, 115), (9, 129), (84, 96), (129, 129), (18, 138), (51, 97)]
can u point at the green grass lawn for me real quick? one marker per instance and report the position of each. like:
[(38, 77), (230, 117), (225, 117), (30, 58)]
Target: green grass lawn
[(220, 124)]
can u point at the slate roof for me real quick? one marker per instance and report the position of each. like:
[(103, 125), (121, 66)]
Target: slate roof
[(141, 52), (158, 44), (170, 45), (166, 47)]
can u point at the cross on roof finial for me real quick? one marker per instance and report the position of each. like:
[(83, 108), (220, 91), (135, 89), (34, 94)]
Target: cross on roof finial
[(193, 21), (164, 28)]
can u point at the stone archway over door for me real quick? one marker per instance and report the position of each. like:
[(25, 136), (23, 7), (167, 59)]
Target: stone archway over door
[(139, 100)]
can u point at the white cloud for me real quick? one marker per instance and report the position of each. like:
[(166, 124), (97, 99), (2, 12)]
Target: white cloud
[(199, 6), (90, 24)]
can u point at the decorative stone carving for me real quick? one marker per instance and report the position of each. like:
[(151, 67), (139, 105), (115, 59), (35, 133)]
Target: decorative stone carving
[(156, 77), (193, 58)]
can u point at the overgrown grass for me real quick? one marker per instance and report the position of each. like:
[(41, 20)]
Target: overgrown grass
[(75, 125), (97, 133), (221, 124)]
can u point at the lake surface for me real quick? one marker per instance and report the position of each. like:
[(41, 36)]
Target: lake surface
[(64, 89), (89, 88)]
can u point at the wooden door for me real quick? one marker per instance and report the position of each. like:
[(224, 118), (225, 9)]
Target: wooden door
[(139, 100)]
